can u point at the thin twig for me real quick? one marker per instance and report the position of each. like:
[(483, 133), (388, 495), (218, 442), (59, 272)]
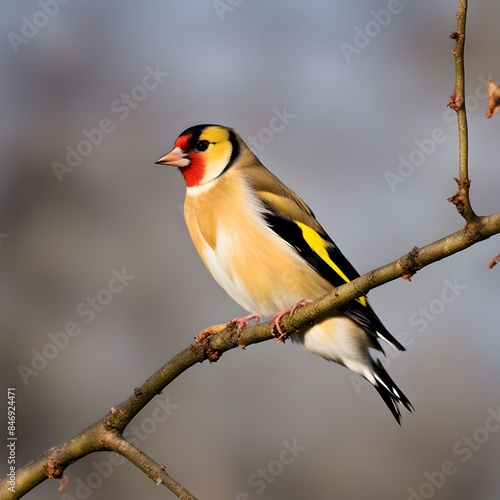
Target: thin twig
[(494, 262), (461, 199), (152, 469)]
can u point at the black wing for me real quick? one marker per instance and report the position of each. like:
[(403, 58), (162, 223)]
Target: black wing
[(321, 253)]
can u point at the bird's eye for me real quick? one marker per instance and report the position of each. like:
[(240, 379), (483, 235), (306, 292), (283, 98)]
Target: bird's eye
[(201, 146)]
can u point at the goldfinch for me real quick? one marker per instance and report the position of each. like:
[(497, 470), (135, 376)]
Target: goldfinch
[(265, 248)]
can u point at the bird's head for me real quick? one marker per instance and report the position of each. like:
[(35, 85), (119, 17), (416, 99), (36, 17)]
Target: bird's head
[(202, 153)]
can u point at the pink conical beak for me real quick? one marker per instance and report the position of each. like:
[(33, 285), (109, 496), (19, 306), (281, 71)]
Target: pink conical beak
[(176, 158)]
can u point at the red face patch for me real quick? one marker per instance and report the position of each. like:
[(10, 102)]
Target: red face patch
[(182, 142), (194, 172)]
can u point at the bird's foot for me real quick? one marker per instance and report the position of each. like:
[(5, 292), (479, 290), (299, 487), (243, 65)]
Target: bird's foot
[(276, 330), (243, 323)]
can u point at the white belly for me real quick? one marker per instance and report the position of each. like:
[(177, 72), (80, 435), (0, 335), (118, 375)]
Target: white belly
[(254, 277), (257, 268)]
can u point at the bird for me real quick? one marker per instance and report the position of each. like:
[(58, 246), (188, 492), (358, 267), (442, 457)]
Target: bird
[(264, 246)]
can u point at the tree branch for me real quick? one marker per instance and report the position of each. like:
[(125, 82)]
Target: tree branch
[(106, 434)]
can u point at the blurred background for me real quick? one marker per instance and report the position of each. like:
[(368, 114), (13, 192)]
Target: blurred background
[(94, 92)]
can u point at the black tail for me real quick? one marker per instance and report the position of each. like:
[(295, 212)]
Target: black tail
[(390, 392)]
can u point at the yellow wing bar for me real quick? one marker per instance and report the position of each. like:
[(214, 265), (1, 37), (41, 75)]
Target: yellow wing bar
[(319, 246)]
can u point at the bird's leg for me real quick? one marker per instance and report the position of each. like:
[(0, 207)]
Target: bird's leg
[(245, 321), (300, 303), (280, 335)]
